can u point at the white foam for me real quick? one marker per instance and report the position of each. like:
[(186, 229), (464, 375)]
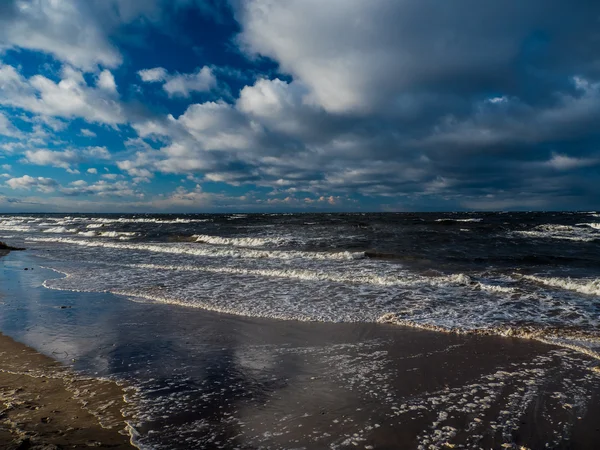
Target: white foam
[(460, 220), (564, 232), (239, 242), (117, 234), (148, 220), (108, 234), (62, 230), (584, 286), (17, 228), (594, 225), (208, 250)]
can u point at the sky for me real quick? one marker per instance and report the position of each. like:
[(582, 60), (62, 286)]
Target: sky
[(299, 105)]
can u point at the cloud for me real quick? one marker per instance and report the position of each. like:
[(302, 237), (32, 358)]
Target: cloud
[(563, 162), (70, 98), (27, 182), (101, 188), (106, 81), (67, 158), (7, 128), (405, 103), (63, 29), (88, 133), (357, 56), (155, 75), (92, 170), (183, 85)]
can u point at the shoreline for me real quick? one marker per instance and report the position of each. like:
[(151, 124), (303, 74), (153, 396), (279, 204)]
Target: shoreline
[(46, 405), (249, 382)]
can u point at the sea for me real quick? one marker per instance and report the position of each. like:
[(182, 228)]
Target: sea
[(530, 275)]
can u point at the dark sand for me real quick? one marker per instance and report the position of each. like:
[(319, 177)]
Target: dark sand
[(43, 404), (248, 383)]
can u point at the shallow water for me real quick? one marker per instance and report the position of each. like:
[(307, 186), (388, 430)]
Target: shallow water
[(529, 274), (201, 379)]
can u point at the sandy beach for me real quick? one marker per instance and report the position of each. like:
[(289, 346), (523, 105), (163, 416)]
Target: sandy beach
[(46, 406)]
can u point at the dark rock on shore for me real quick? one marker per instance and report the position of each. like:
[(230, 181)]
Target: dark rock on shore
[(5, 246)]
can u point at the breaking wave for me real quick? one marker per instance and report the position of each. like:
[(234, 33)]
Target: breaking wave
[(208, 250), (240, 242), (589, 287)]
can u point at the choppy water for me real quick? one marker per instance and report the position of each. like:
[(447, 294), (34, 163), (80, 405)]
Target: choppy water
[(204, 380), (525, 274)]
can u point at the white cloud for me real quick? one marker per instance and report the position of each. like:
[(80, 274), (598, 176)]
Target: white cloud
[(6, 127), (202, 80), (96, 153), (153, 75), (44, 157), (101, 188), (69, 98), (106, 81), (27, 182), (6, 166), (65, 29), (92, 170), (87, 133), (280, 106), (139, 166), (565, 162), (65, 159)]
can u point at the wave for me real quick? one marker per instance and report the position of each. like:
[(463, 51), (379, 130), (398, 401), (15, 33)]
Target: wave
[(404, 279), (239, 242), (118, 234), (350, 293), (580, 341), (564, 232), (594, 225), (585, 286), (460, 220), (147, 220), (61, 230), (110, 234), (18, 228), (210, 251)]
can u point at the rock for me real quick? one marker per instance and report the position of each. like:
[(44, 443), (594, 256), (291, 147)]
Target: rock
[(5, 246), (20, 444)]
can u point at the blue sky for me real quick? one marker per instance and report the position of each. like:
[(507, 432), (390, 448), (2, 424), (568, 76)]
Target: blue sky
[(299, 105)]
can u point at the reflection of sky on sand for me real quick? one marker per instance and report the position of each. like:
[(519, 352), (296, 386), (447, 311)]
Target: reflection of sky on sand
[(205, 380)]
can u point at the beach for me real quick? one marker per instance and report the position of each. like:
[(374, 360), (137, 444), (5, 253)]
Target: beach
[(200, 379), (45, 406)]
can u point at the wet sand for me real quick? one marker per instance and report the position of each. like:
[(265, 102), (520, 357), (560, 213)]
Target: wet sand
[(45, 406), (216, 381)]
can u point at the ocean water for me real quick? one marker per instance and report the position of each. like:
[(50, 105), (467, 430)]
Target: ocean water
[(521, 274), (203, 380)]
